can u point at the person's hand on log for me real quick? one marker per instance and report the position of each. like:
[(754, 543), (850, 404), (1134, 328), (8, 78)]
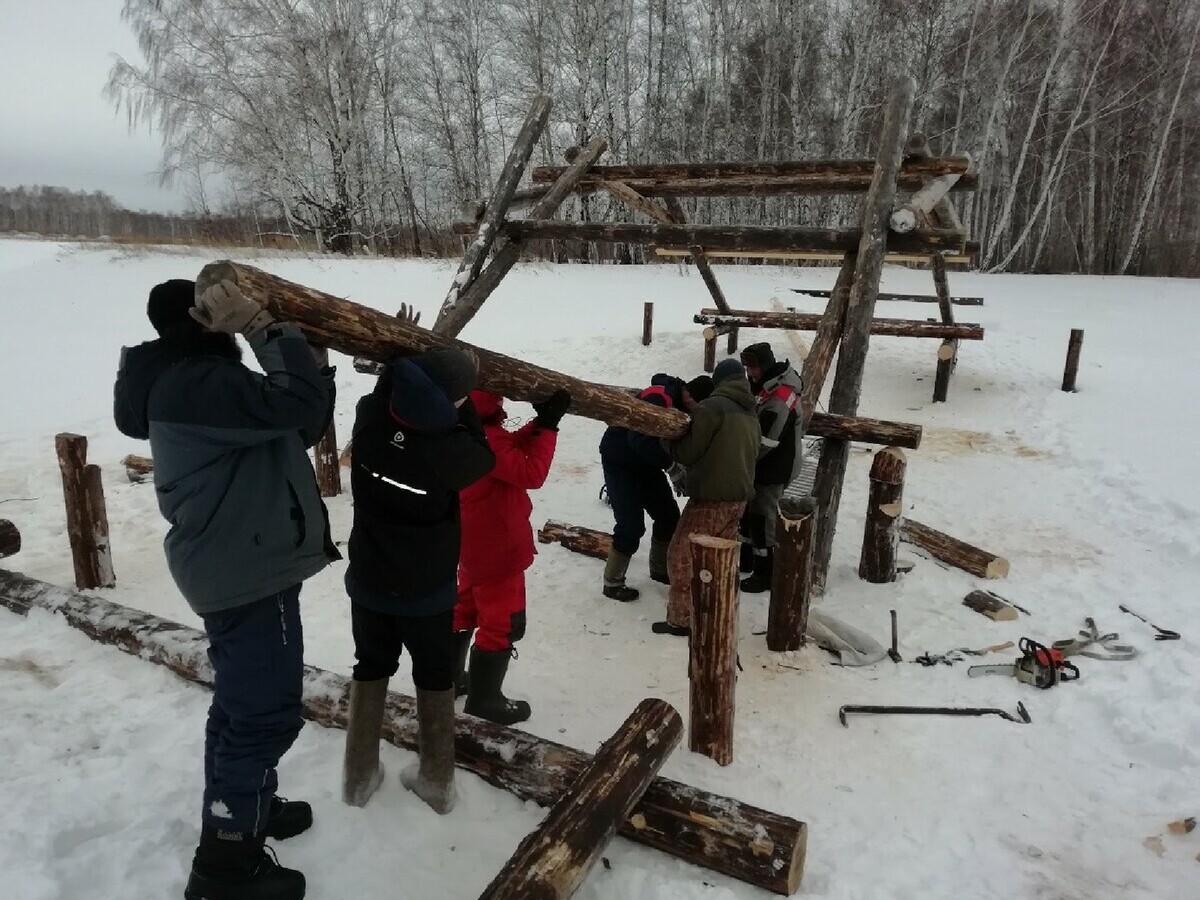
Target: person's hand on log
[(223, 307), (551, 410), (408, 315)]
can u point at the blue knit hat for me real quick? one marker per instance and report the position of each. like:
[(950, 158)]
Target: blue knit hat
[(726, 369)]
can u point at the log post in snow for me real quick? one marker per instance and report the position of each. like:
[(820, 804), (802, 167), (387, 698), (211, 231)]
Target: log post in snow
[(552, 863), (713, 647), (754, 845), (87, 523), (10, 539), (710, 352), (647, 323), (825, 342), (948, 353), (881, 536), (587, 541), (1074, 348), (791, 581), (913, 328), (329, 475), (952, 551)]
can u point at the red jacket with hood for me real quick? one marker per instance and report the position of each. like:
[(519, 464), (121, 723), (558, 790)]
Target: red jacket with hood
[(497, 537)]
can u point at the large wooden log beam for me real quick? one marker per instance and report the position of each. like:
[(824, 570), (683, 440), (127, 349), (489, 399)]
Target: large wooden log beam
[(742, 841), (712, 663), (913, 328), (912, 167), (552, 862), (703, 266), (897, 298), (452, 317), (587, 541), (952, 551), (10, 539), (87, 518), (757, 238), (824, 344), (636, 201)]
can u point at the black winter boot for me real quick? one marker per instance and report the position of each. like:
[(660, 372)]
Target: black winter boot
[(485, 699), (233, 866), (615, 587), (462, 643), (764, 568), (746, 558), (658, 562), (668, 628), (287, 818)]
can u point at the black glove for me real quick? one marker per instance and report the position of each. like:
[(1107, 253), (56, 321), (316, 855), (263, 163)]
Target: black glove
[(551, 410)]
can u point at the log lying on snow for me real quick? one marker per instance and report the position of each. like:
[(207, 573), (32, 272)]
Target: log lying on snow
[(991, 605), (138, 468), (587, 541), (914, 328), (951, 550), (552, 863), (897, 298), (10, 539), (751, 844)]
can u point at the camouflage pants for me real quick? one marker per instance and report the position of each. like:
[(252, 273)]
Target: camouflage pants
[(718, 519)]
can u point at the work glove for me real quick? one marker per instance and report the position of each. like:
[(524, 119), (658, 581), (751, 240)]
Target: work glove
[(551, 410), (223, 307), (678, 475), (408, 315)]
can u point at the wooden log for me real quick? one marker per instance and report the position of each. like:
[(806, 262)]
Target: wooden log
[(824, 344), (553, 861), (946, 362), (952, 551), (943, 211), (913, 167), (10, 539), (97, 511), (1071, 370), (368, 366), (506, 255), (742, 841), (937, 265), (898, 298), (753, 186), (864, 430), (852, 356), (712, 668), (969, 255), (587, 541), (360, 331), (710, 352), (634, 200), (991, 605), (881, 536), (647, 323), (921, 203), (451, 318), (721, 237), (791, 579), (81, 528), (138, 468), (913, 328), (328, 471), (731, 343), (945, 366), (678, 216)]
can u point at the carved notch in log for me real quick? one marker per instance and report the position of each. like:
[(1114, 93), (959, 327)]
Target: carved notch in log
[(87, 518), (791, 580), (10, 539), (952, 551), (881, 537), (713, 647), (552, 863), (720, 833)]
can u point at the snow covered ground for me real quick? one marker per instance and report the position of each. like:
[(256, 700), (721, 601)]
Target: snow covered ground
[(1091, 496)]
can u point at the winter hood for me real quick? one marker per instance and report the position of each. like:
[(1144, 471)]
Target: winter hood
[(140, 368)]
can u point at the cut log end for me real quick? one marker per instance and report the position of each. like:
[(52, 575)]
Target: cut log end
[(948, 350), (903, 221), (997, 568)]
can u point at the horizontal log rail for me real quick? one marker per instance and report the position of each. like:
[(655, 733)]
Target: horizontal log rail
[(910, 166), (897, 298), (915, 328)]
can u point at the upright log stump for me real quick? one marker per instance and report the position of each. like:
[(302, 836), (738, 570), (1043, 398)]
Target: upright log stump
[(10, 539), (329, 475), (87, 518), (791, 582), (1074, 348), (881, 537), (647, 323), (552, 863), (712, 667), (710, 353)]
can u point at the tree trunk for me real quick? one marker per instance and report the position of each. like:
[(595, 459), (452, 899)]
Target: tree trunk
[(477, 251), (138, 468), (10, 539), (552, 863), (742, 841), (588, 541), (712, 667), (89, 538), (647, 323), (881, 537), (329, 475), (951, 550), (1074, 348), (914, 328), (791, 582)]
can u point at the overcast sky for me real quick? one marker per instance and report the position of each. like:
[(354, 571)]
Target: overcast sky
[(55, 125)]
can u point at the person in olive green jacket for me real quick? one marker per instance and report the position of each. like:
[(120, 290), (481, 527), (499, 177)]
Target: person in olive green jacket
[(719, 452)]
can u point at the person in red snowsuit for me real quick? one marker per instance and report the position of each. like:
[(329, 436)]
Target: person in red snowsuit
[(497, 548)]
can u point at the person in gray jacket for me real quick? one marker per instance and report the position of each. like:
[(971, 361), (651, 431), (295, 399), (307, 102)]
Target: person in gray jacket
[(233, 478)]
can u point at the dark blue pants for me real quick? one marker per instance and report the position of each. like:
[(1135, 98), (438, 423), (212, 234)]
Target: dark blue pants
[(257, 655), (633, 490)]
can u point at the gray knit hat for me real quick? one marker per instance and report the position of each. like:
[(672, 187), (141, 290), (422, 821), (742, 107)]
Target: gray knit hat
[(450, 369), (726, 369)]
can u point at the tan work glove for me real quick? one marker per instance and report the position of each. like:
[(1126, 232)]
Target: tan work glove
[(223, 307)]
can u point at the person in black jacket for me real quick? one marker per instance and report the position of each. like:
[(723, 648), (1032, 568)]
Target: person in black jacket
[(634, 466), (417, 442)]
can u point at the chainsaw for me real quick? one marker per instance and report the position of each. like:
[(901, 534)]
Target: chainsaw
[(1039, 665)]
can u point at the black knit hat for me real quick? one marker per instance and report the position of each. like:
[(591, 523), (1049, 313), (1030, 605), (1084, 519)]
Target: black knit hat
[(700, 388), (169, 305), (726, 369), (450, 369), (760, 355)]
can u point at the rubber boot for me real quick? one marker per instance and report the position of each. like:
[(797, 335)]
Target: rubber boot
[(234, 866), (287, 818), (485, 698), (462, 643), (362, 772), (764, 568), (658, 562), (746, 558), (614, 578), (432, 778)]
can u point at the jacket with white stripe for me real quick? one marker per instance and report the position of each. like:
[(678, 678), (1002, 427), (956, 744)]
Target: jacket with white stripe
[(777, 401)]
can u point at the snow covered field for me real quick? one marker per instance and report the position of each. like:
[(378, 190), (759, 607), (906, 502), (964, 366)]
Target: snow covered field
[(1092, 497)]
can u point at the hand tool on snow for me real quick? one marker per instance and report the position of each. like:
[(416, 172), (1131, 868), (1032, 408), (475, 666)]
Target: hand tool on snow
[(1021, 717), (950, 657), (1038, 665), (1094, 645), (1164, 634), (894, 653)]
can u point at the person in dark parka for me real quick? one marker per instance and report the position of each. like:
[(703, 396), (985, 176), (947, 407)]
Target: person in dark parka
[(232, 476), (634, 474), (417, 442)]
